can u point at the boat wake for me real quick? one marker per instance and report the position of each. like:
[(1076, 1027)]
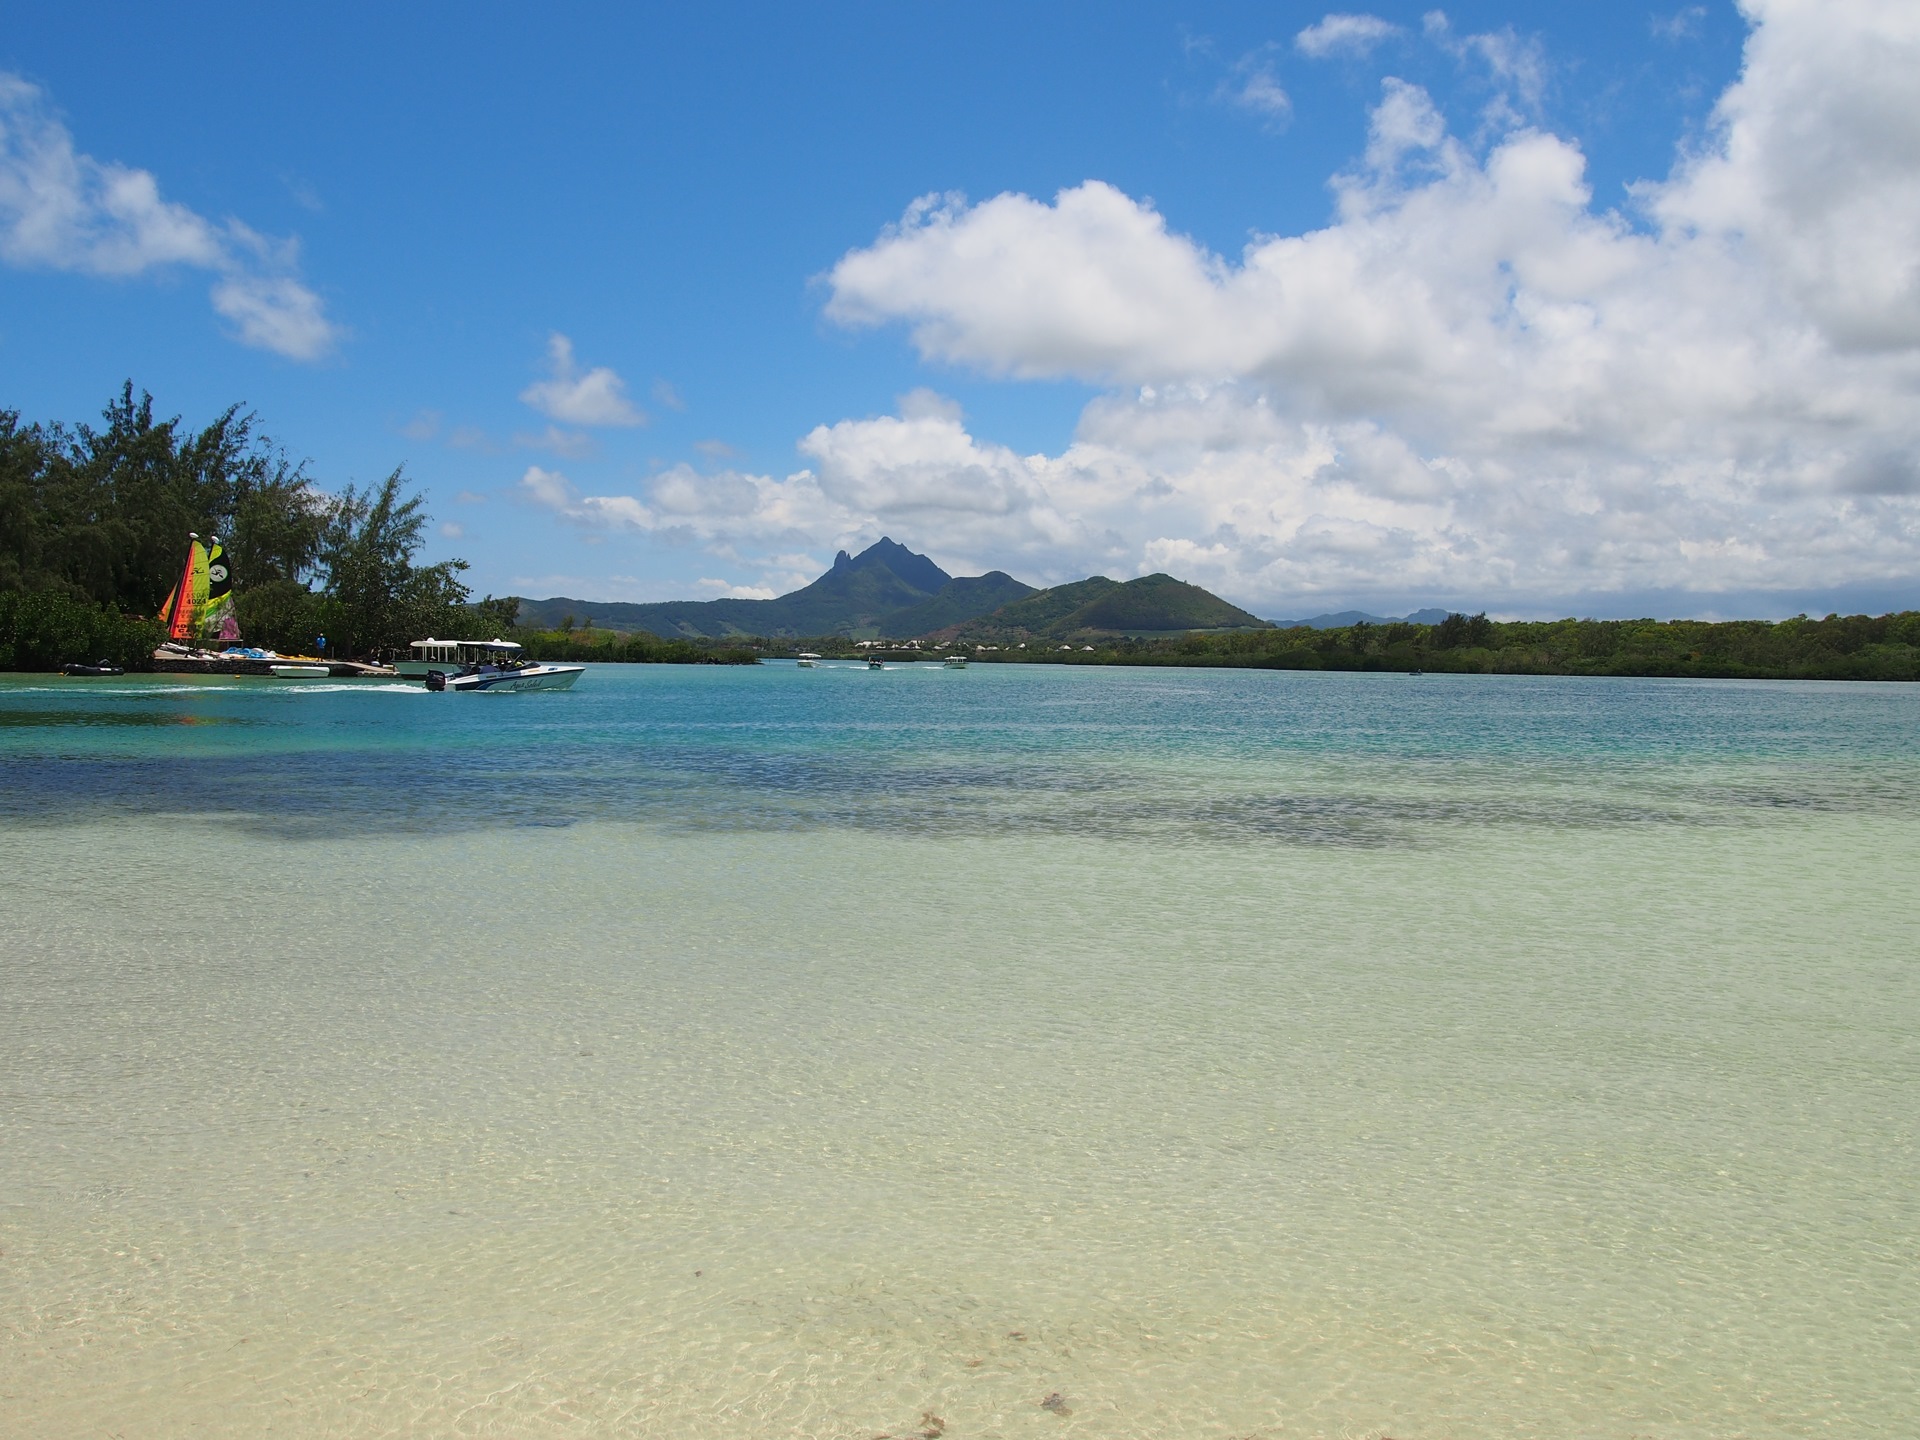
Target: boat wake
[(356, 687)]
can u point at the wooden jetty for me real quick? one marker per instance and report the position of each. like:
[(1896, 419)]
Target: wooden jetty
[(173, 662)]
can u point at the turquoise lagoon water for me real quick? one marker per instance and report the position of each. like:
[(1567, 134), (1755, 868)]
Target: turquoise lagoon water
[(716, 1052)]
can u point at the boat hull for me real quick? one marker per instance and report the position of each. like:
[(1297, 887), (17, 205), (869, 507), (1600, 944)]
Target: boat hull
[(534, 677)]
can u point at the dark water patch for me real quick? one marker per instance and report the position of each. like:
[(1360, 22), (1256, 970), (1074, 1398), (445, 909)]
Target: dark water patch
[(317, 794), (59, 719)]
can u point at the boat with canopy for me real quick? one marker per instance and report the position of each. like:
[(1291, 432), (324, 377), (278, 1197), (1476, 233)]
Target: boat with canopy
[(484, 665)]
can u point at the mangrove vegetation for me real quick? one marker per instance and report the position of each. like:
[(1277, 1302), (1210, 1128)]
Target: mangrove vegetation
[(94, 523)]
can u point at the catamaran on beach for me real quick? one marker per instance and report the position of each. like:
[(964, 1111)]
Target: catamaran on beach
[(200, 613)]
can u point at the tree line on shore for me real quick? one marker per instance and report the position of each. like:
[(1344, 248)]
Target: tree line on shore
[(633, 647), (1839, 647), (94, 524)]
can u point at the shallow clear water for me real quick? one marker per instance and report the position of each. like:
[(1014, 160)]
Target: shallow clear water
[(721, 1052)]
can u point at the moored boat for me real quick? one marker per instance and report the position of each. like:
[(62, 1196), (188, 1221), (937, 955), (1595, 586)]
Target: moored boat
[(200, 614), (200, 608), (105, 667)]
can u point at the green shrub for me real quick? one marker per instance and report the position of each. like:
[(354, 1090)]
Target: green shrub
[(45, 629)]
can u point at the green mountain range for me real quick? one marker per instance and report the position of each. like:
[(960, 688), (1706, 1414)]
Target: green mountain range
[(888, 591), (1099, 607)]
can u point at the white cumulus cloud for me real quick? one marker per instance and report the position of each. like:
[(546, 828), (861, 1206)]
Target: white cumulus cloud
[(1253, 86), (275, 312), (1471, 382), (1339, 34), (728, 590), (552, 490), (917, 473), (580, 397), (61, 209), (1513, 61)]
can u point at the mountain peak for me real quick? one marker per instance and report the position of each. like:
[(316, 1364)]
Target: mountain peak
[(917, 570)]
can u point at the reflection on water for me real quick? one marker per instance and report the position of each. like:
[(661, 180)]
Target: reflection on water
[(55, 719), (1053, 1054)]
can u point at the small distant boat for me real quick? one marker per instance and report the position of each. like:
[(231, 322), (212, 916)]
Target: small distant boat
[(1416, 672), (955, 662), (103, 668), (873, 663), (808, 660), (299, 672)]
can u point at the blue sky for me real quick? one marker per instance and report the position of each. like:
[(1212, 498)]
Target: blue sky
[(629, 292)]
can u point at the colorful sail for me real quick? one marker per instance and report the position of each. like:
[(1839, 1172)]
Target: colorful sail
[(181, 614), (219, 620)]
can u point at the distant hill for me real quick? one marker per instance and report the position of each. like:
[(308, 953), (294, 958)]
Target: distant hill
[(1159, 603), (1151, 605), (956, 602), (1041, 612), (886, 589), (1344, 618)]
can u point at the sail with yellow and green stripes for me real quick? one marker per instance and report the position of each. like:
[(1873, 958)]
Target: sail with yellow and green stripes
[(200, 606), (219, 621)]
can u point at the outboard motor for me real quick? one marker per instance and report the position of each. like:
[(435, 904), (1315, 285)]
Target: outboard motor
[(436, 679)]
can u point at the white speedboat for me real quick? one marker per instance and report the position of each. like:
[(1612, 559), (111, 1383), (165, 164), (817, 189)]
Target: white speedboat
[(955, 662), (484, 665), (508, 676), (808, 660)]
